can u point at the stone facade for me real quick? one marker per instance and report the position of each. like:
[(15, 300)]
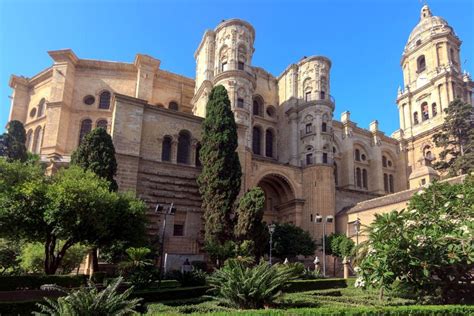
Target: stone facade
[(307, 162)]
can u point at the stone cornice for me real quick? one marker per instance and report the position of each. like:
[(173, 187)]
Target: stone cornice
[(63, 56)]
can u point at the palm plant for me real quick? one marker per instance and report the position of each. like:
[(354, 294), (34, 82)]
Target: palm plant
[(238, 285), (91, 301)]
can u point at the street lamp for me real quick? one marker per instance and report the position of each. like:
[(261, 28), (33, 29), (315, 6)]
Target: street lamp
[(170, 211), (271, 229), (327, 219)]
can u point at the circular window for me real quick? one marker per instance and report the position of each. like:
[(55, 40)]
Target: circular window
[(33, 112), (362, 157), (89, 99), (270, 111), (389, 163)]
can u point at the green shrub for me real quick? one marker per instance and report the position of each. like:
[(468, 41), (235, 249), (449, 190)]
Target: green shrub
[(157, 295), (98, 277), (33, 282), (189, 278), (246, 287), (199, 265), (434, 310), (309, 274), (91, 301), (318, 284), (17, 308)]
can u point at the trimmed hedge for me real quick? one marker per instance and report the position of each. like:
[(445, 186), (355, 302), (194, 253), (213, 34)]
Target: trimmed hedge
[(17, 308), (317, 284), (415, 310), (33, 282), (171, 293)]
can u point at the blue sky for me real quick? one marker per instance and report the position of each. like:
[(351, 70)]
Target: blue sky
[(364, 39)]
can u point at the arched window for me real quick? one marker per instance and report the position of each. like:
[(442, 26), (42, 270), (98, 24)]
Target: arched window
[(257, 108), (86, 127), (421, 64), (184, 147), (166, 149), (434, 110), (37, 140), (223, 57), (173, 106), (197, 161), (325, 157), (427, 152), (324, 127), (41, 108), (385, 182), (102, 124), (269, 143), (104, 100), (424, 111), (242, 57), (256, 143), (29, 139), (358, 178), (415, 118), (335, 173), (364, 179), (390, 182), (357, 155), (384, 161), (322, 93)]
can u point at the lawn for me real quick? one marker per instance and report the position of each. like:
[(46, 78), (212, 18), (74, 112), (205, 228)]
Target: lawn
[(341, 301)]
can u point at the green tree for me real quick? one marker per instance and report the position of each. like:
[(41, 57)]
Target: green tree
[(74, 206), (429, 246), (13, 142), (219, 181), (250, 214), (9, 256), (97, 154), (249, 228), (290, 241), (339, 245), (457, 139)]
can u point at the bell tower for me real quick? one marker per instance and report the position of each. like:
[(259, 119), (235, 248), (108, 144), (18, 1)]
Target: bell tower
[(432, 77)]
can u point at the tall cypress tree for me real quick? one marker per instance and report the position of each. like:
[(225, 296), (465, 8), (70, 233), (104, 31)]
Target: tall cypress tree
[(457, 139), (13, 142), (97, 154), (219, 182)]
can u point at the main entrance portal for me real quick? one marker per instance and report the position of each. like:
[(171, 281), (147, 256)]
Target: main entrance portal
[(280, 203)]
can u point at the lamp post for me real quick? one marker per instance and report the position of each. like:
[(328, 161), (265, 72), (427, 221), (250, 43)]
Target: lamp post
[(170, 211), (327, 219), (271, 229)]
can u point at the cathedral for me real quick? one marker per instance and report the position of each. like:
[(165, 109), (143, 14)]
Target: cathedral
[(310, 164)]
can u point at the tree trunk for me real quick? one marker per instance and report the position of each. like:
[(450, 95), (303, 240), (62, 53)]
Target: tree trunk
[(53, 261)]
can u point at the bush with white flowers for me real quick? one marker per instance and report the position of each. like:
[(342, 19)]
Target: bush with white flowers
[(429, 246)]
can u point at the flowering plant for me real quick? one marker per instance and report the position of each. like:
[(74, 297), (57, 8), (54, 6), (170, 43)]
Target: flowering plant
[(429, 246)]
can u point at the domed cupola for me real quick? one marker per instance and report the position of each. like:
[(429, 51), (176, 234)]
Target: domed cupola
[(428, 27)]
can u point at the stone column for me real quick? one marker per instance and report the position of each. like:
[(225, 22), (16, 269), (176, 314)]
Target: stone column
[(174, 149), (294, 139), (345, 262)]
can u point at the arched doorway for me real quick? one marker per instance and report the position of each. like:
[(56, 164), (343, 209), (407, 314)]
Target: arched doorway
[(280, 202)]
